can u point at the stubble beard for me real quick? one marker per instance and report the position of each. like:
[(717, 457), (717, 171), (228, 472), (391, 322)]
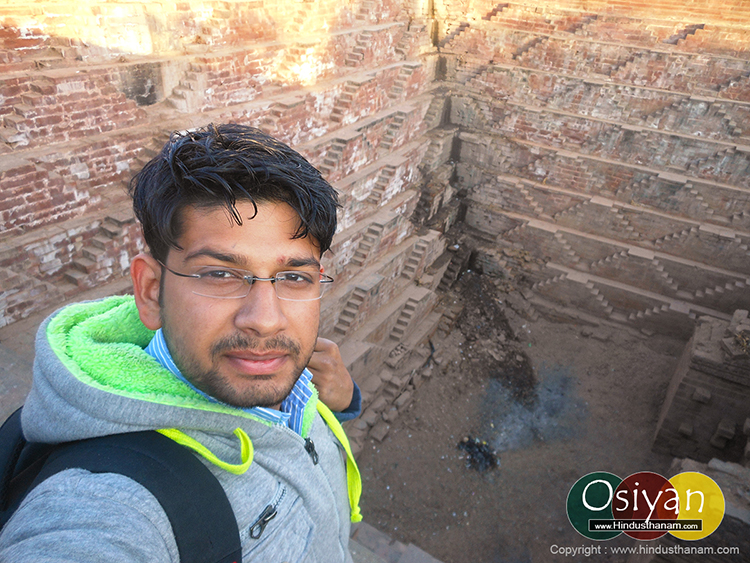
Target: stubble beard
[(257, 391)]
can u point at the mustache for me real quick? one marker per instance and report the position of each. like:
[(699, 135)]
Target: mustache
[(237, 342)]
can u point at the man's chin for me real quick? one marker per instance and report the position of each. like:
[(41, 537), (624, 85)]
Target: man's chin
[(262, 390)]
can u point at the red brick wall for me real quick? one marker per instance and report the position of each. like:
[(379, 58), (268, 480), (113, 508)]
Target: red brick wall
[(89, 90), (48, 108)]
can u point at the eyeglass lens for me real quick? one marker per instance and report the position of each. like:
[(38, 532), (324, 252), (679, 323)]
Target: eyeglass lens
[(292, 285)]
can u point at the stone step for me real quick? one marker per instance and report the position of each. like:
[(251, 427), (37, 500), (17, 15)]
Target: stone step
[(102, 241), (111, 229), (76, 277), (381, 548), (93, 253), (85, 265), (180, 104), (361, 554)]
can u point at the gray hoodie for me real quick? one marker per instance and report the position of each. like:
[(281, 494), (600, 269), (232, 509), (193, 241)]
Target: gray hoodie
[(92, 378)]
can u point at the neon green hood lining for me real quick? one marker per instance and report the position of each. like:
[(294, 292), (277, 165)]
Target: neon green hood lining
[(102, 342)]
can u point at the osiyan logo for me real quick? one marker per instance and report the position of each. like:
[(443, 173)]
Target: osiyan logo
[(645, 506)]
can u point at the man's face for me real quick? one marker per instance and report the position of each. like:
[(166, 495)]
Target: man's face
[(245, 352)]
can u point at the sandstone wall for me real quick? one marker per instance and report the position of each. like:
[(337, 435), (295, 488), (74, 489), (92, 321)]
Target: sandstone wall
[(611, 141)]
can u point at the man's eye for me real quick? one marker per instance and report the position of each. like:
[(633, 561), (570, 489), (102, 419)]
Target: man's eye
[(218, 275), (295, 278)]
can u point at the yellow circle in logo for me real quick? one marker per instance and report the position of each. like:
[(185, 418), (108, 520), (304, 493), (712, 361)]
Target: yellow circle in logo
[(700, 499)]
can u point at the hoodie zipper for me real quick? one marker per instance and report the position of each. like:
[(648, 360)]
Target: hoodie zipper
[(268, 514), (307, 443), (310, 449), (270, 511)]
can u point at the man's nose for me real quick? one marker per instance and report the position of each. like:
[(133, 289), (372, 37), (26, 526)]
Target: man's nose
[(261, 311)]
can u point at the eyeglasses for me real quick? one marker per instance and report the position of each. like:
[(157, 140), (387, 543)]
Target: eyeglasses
[(230, 283)]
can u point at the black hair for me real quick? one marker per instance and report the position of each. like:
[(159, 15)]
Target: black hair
[(218, 165)]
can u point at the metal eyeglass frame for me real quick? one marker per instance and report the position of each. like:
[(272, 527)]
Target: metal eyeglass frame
[(250, 280)]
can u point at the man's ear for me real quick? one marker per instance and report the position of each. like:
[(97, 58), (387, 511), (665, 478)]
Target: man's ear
[(145, 272)]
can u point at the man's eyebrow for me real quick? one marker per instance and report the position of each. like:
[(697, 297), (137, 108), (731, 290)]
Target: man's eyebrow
[(239, 261), (301, 262), (220, 256)]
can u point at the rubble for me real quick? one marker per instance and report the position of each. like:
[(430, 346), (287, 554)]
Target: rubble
[(479, 456)]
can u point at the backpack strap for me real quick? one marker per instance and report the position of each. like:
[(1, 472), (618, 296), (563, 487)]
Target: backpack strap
[(12, 444), (203, 522)]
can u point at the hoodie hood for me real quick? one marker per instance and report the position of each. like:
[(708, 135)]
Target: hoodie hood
[(93, 378)]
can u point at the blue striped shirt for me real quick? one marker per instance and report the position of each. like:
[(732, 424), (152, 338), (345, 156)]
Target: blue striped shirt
[(292, 407)]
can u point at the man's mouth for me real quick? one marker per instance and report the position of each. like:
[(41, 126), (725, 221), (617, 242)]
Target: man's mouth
[(257, 363)]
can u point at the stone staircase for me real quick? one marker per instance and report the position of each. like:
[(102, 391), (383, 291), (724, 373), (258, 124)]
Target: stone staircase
[(621, 221), (14, 130), (344, 101), (384, 178), (722, 110), (404, 319), (533, 204), (680, 235), (350, 311), (398, 90), (457, 264), (669, 280), (619, 255), (368, 242), (434, 114), (744, 77), (453, 34), (651, 119), (568, 249), (402, 47), (684, 33), (713, 160), (721, 288), (392, 133), (414, 260), (578, 27), (472, 77), (357, 54), (332, 157), (188, 95), (648, 312), (494, 11), (432, 158), (369, 545), (95, 263), (365, 9), (570, 211), (599, 298), (527, 47)]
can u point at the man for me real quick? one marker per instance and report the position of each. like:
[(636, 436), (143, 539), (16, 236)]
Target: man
[(211, 351)]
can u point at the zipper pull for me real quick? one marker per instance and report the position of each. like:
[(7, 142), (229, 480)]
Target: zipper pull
[(310, 449), (268, 514)]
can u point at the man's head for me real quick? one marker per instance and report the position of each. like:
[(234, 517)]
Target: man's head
[(216, 166), (231, 202)]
